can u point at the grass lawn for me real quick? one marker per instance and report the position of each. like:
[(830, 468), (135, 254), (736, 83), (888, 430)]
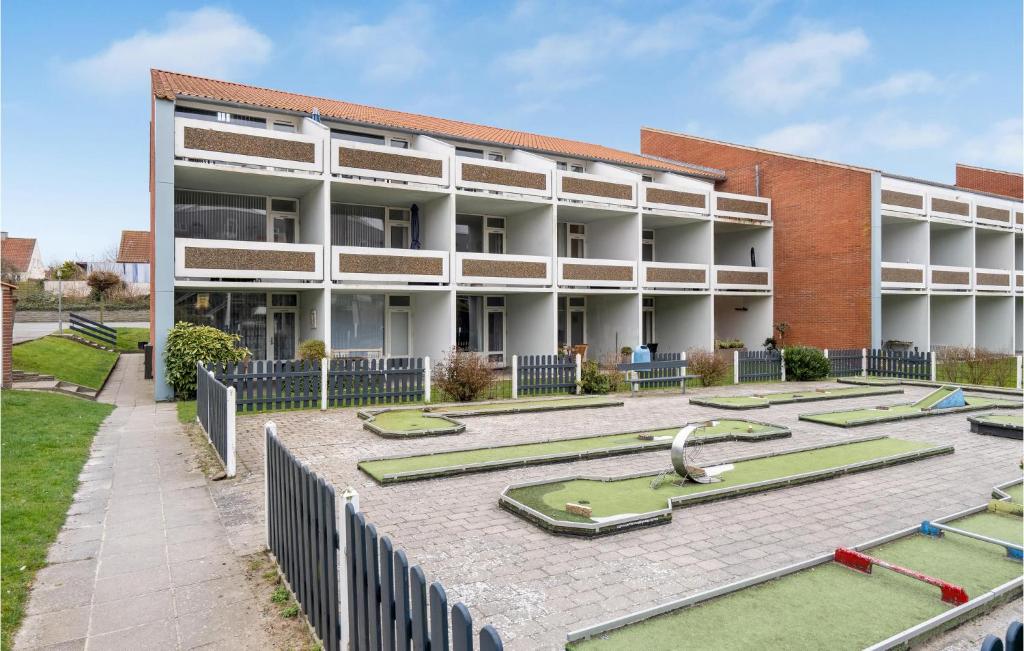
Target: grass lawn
[(45, 440), (635, 495), (895, 412), (1003, 373), (782, 397), (127, 338), (186, 411), (788, 612), (559, 448), (65, 360)]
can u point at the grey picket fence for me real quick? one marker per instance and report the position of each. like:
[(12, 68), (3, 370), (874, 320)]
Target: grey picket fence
[(906, 364), (102, 333), (264, 384), (356, 381), (663, 372), (540, 374), (759, 365), (302, 535), (845, 362), (391, 606), (215, 411)]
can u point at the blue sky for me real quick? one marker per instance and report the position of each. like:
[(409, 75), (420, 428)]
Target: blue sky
[(908, 87)]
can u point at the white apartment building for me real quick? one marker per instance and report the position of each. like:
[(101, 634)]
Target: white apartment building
[(283, 217), (952, 266)]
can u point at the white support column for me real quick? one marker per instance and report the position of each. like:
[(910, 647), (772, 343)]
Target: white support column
[(325, 363), (931, 364), (863, 362), (515, 377), (782, 363), (229, 462), (682, 383), (735, 366), (349, 495), (426, 378), (579, 373), (830, 363)]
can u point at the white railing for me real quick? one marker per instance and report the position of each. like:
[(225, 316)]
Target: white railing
[(241, 132), (940, 283), (646, 187), (388, 153), (509, 278), (577, 196), (722, 280), (386, 269), (626, 268), (235, 259), (720, 206), (980, 284), (904, 284), (645, 281), (461, 182)]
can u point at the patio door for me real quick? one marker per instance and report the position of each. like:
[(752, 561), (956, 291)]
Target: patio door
[(398, 326), (572, 321), (282, 228), (494, 329), (283, 333)]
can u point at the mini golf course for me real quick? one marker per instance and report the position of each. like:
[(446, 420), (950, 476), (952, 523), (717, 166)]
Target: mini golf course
[(1009, 426), (825, 603), (762, 400), (592, 506), (944, 400), (438, 421), (869, 380), (390, 470)]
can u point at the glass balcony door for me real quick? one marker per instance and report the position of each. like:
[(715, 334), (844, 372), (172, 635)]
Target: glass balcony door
[(283, 333)]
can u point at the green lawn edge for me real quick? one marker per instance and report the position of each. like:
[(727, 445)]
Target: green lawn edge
[(65, 360), (45, 439), (127, 338), (788, 397)]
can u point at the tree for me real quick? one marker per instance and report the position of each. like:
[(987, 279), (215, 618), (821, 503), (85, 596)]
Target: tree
[(102, 283), (67, 270)]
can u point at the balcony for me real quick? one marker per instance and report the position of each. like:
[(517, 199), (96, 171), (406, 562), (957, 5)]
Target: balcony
[(214, 142), (196, 258), (592, 188), (380, 163), (673, 275), (661, 197), (596, 272), (900, 201), (493, 176), (993, 215), (375, 265), (731, 277), (495, 269), (897, 275), (949, 206), (946, 277), (741, 206), (992, 280)]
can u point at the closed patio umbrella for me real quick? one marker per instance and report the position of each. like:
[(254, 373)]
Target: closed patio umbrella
[(415, 226)]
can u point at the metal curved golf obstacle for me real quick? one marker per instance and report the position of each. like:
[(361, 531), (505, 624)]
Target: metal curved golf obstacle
[(944, 400)]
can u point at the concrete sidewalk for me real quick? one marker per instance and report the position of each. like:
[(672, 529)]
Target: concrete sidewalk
[(143, 560)]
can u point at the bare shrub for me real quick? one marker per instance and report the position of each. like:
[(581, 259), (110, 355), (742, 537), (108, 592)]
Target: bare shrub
[(463, 376), (711, 368), (950, 360)]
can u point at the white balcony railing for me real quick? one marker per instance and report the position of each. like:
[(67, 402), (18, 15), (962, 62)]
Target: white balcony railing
[(388, 163), (596, 272), (744, 278), (899, 275), (231, 143), (662, 197), (993, 280), (478, 174), (948, 277), (742, 206), (674, 275), (579, 186), (199, 258), (499, 269), (372, 265)]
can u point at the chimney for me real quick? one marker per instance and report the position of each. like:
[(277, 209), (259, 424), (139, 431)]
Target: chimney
[(3, 235)]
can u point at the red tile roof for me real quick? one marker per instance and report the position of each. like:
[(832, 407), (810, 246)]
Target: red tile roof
[(134, 246), (16, 252), (171, 85)]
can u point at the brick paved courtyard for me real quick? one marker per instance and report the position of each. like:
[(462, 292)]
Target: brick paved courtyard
[(535, 587)]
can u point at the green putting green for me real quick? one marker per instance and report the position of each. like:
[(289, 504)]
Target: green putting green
[(869, 380), (518, 406), (406, 421), (832, 606), (1002, 419), (635, 495), (783, 397), (896, 412), (462, 461), (1016, 493)]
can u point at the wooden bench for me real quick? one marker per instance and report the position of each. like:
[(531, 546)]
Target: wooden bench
[(678, 366)]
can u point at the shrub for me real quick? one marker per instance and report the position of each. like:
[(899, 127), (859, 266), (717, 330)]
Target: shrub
[(594, 380), (974, 366), (463, 376), (806, 363), (188, 344), (102, 282), (770, 344), (312, 350), (728, 344), (711, 368)]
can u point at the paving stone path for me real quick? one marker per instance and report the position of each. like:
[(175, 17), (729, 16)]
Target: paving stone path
[(144, 560)]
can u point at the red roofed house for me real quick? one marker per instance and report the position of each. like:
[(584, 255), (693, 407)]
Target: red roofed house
[(133, 256), (20, 258)]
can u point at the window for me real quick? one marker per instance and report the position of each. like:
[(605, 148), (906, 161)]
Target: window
[(399, 301), (562, 165), (647, 178), (219, 216), (284, 205), (469, 234), (219, 116), (284, 300), (494, 235), (282, 125), (397, 228), (480, 326), (647, 246), (648, 321), (241, 313), (400, 143), (495, 156), (357, 324), (577, 168), (572, 320), (576, 240), (353, 225), (357, 136), (469, 153)]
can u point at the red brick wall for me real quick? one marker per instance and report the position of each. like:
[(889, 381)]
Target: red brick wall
[(822, 234), (1007, 184), (8, 334)]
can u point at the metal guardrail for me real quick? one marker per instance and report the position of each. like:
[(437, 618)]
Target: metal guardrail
[(102, 333)]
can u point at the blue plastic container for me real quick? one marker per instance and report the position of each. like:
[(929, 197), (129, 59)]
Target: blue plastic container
[(641, 355)]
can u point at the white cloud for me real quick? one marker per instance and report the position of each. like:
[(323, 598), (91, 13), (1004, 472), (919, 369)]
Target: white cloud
[(886, 131), (820, 139), (999, 146), (207, 41), (903, 83), (782, 76), (394, 49)]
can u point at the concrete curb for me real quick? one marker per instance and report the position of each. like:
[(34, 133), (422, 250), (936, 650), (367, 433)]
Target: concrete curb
[(1004, 430), (891, 419), (711, 402)]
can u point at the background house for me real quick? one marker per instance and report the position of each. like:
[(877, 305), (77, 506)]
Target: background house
[(133, 256), (20, 258)]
